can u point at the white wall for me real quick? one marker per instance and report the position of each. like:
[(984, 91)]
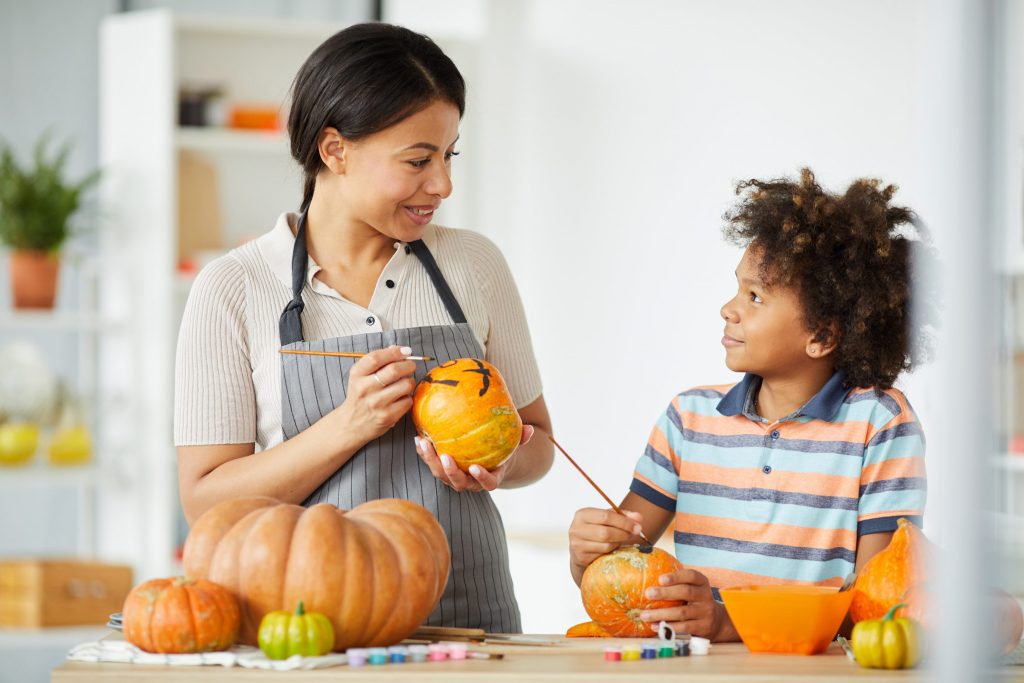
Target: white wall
[(613, 134)]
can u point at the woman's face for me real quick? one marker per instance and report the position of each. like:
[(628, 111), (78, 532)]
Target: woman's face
[(394, 180)]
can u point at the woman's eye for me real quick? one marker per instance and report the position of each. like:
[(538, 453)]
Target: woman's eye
[(419, 163), (449, 155)]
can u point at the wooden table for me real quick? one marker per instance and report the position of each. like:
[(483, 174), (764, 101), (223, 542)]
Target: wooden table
[(576, 661)]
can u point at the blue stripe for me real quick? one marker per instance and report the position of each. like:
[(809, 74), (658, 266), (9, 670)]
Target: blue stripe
[(788, 461), (905, 429), (652, 496), (791, 552), (888, 402), (770, 495), (883, 524), (775, 567), (897, 484), (658, 476), (673, 418), (660, 460), (851, 448), (703, 393), (906, 499), (766, 513)]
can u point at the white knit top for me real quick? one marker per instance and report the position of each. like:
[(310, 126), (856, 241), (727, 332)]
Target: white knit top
[(227, 385)]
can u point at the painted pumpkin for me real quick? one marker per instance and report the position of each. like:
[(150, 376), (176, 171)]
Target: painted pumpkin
[(614, 588), (884, 578), (180, 616), (587, 629), (376, 571), (464, 408)]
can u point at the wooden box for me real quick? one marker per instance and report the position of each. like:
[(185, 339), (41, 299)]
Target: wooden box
[(36, 593)]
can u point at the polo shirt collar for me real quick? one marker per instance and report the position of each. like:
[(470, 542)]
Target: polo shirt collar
[(824, 405), (276, 249)]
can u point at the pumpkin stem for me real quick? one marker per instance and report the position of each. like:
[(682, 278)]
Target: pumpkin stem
[(300, 610), (892, 611)]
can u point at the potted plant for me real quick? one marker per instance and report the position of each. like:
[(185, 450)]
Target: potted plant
[(36, 205)]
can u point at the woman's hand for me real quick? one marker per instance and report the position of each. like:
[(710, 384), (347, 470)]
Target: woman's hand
[(380, 387), (699, 615), (595, 532), (479, 479)]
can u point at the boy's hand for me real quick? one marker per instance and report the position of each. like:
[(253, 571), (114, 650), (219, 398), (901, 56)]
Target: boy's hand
[(699, 615), (595, 532)]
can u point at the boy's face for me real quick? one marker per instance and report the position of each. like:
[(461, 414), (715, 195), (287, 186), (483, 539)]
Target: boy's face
[(765, 333)]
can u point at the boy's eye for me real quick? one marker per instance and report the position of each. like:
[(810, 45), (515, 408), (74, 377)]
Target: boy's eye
[(755, 298)]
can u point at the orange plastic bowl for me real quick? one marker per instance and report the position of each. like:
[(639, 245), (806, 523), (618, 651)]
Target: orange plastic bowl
[(789, 619)]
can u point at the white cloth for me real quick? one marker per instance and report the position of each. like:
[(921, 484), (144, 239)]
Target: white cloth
[(228, 371), (122, 651)]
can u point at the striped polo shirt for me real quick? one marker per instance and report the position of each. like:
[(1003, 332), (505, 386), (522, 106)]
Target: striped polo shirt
[(782, 502)]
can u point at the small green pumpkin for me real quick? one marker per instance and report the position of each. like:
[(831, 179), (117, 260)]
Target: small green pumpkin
[(283, 634)]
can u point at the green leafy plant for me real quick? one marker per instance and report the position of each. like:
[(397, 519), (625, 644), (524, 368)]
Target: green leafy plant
[(36, 203)]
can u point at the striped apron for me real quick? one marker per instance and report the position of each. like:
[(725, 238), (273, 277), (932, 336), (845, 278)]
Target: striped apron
[(479, 593)]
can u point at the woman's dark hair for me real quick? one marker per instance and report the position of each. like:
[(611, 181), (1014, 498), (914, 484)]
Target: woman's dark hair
[(851, 259), (362, 80)]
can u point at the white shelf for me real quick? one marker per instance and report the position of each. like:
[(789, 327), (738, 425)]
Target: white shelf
[(213, 140), (52, 320), (40, 472)]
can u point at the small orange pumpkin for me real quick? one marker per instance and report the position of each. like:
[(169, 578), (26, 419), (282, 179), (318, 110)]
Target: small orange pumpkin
[(463, 407), (885, 578), (180, 616), (614, 589), (587, 629)]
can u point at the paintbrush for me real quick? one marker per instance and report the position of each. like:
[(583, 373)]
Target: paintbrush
[(598, 489), (342, 354)]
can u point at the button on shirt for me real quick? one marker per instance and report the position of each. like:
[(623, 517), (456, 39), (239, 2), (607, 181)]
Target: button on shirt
[(785, 502)]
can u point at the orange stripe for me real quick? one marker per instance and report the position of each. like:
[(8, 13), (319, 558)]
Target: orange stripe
[(790, 482), (890, 513), (763, 532), (727, 578), (659, 489), (893, 469), (720, 425), (659, 442)]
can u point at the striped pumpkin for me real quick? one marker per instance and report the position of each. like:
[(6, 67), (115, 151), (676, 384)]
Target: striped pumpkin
[(376, 571)]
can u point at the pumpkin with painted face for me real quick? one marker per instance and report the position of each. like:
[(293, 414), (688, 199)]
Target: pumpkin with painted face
[(463, 407)]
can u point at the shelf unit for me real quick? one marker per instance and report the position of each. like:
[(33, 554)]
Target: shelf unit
[(145, 59)]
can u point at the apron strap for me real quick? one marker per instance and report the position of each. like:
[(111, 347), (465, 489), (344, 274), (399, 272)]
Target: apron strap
[(291, 318), (440, 284)]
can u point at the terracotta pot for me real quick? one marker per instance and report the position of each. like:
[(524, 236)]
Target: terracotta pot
[(34, 278)]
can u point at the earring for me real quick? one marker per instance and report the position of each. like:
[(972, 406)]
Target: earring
[(814, 350)]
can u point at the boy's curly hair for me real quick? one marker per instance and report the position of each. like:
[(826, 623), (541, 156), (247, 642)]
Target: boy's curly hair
[(850, 258)]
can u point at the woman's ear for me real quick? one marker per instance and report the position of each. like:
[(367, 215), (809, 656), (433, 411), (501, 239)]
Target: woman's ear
[(333, 148)]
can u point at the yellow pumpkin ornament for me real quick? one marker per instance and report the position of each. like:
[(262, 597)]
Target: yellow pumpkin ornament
[(886, 643), (283, 634), (464, 408)]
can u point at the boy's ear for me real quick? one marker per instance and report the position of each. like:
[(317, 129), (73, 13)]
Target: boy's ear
[(823, 343), (333, 149)]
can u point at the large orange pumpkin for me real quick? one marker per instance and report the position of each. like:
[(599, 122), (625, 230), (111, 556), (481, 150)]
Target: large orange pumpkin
[(464, 408), (884, 578), (179, 615), (376, 571), (614, 589)]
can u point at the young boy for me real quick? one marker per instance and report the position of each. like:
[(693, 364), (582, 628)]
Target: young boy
[(798, 473)]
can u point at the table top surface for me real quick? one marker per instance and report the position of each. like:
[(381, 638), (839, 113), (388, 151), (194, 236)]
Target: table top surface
[(572, 662)]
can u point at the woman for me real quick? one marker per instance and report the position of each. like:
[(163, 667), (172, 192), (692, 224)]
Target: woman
[(374, 121)]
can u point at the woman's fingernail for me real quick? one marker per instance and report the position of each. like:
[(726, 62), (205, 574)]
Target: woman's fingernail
[(447, 461), (416, 440), (651, 593), (406, 350), (475, 470)]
